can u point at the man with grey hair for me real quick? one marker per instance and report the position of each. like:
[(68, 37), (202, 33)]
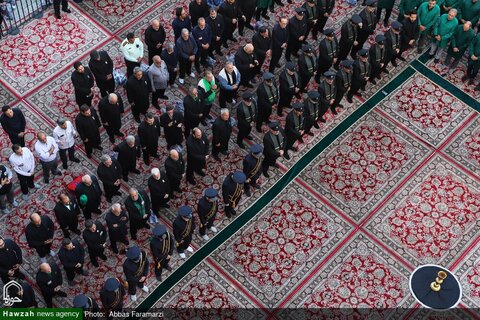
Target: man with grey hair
[(47, 149), (138, 90), (175, 169), (169, 56), (111, 108), (64, 134), (117, 223), (89, 195), (203, 36), (186, 49), (137, 204), (228, 80), (158, 75), (221, 132), (159, 187), (109, 171), (442, 32), (128, 152)]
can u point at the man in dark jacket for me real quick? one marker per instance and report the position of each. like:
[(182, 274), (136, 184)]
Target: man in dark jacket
[(87, 124), (110, 172), (349, 37), (393, 43), (311, 15), (183, 228), (295, 125), (252, 168), (89, 195), (117, 222), (328, 92), (221, 132), (101, 66), (369, 23), (193, 110), (187, 50), (289, 86), (162, 245), (159, 187), (26, 295), (207, 211), (39, 234), (328, 53), (203, 36), (325, 9), (10, 260), (95, 236), (246, 63), (262, 44), (175, 169), (312, 110), (181, 21), (274, 146), (111, 109), (83, 81), (307, 66), (343, 81), (267, 95), (172, 121), (247, 113), (138, 90), (232, 190), (297, 28), (86, 303), (361, 74), (410, 31), (112, 295), (248, 8), (378, 58), (148, 133), (67, 211), (135, 269), (137, 204), (72, 256), (49, 279), (128, 152), (280, 40), (197, 9), (197, 154), (13, 122), (231, 12), (154, 38), (169, 56), (217, 25)]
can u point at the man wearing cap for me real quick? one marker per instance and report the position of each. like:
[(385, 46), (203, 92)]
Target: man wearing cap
[(25, 294), (154, 38), (207, 211), (312, 110), (232, 189), (295, 126), (252, 164), (135, 269), (221, 132), (328, 53), (262, 44), (67, 211), (231, 12), (393, 43), (161, 244), (112, 295), (197, 154), (101, 66), (442, 32), (378, 58), (49, 279), (87, 124), (428, 14), (175, 169), (47, 150), (280, 41), (10, 260), (325, 9), (64, 134), (361, 74), (208, 90), (128, 152), (83, 81), (111, 108), (183, 227), (267, 95), (410, 31), (137, 204), (343, 81), (86, 303), (149, 133), (95, 236), (274, 146), (193, 112), (159, 187), (172, 123), (13, 122), (229, 79), (289, 87), (117, 220), (246, 62), (39, 234), (328, 92), (307, 66), (312, 16), (132, 49), (247, 113), (109, 171), (349, 37), (72, 256), (297, 28), (461, 39), (369, 22), (217, 24), (138, 91), (89, 195)]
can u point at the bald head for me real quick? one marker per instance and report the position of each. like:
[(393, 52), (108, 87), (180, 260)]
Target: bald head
[(156, 24), (248, 48), (112, 98), (42, 137), (157, 60), (87, 180), (174, 154), (35, 218), (45, 267)]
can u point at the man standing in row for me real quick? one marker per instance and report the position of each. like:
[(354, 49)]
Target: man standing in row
[(221, 132), (172, 121), (64, 135), (138, 207), (207, 211), (183, 228), (138, 90), (197, 154), (232, 190), (159, 187), (89, 195), (23, 163), (111, 109), (95, 236), (47, 149), (132, 49), (109, 171), (274, 146), (72, 256), (83, 81), (10, 260), (162, 245), (67, 212), (128, 152), (247, 113), (158, 75), (154, 38), (117, 221), (49, 279), (175, 169), (101, 66), (268, 97), (297, 28), (252, 165), (39, 233), (13, 122), (149, 133), (135, 269), (87, 124)]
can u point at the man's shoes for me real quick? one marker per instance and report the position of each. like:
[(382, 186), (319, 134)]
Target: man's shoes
[(57, 173), (136, 171), (65, 166), (241, 145), (201, 173), (278, 65), (394, 64), (349, 99), (266, 175), (70, 283), (386, 71), (58, 16), (76, 160), (25, 197), (248, 193), (46, 181), (286, 156), (265, 17), (316, 126), (322, 120), (192, 75), (401, 58), (341, 106), (14, 204), (182, 255), (294, 149), (5, 211), (249, 137), (133, 297), (358, 94), (84, 273), (205, 237), (119, 134), (115, 251), (182, 81), (217, 158), (192, 181), (275, 165), (190, 249), (334, 111), (255, 186), (52, 253), (373, 81), (103, 257), (436, 60), (249, 26), (159, 278), (164, 97), (213, 229), (67, 11), (95, 264), (310, 133), (37, 186), (145, 289)]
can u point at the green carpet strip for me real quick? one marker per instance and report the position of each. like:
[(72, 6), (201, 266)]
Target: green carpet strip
[(267, 197)]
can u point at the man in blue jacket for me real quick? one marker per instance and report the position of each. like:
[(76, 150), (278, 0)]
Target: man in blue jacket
[(187, 50), (203, 36)]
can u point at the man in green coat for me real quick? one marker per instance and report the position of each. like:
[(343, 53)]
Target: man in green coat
[(407, 6), (442, 32), (468, 10), (427, 15), (448, 5), (473, 60), (461, 39)]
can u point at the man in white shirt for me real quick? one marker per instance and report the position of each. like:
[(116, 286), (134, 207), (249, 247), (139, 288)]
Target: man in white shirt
[(64, 135), (23, 163), (47, 149), (132, 49)]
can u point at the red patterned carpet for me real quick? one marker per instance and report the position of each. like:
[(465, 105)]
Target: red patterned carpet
[(399, 188)]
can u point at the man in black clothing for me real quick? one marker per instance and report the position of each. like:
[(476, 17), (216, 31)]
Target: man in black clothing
[(289, 87), (83, 81), (267, 95), (159, 187), (110, 172), (101, 66), (410, 31), (172, 121), (162, 245), (252, 165), (349, 37), (307, 66), (111, 109), (154, 38), (26, 295), (246, 63), (343, 81), (378, 58), (231, 13), (247, 113), (175, 169), (197, 9), (193, 110), (262, 44), (112, 295), (248, 9), (328, 53), (311, 15), (187, 50), (137, 204), (117, 220), (49, 280), (197, 154), (217, 26), (135, 268), (128, 152), (295, 125), (297, 28), (361, 74), (232, 190), (10, 260), (169, 56), (280, 37), (85, 303), (183, 228), (87, 124), (89, 195), (274, 146), (56, 7), (39, 234), (393, 43), (325, 9), (148, 133), (207, 209), (328, 92), (138, 91), (312, 110), (67, 211), (95, 236), (13, 122), (221, 132), (72, 256), (369, 22)]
